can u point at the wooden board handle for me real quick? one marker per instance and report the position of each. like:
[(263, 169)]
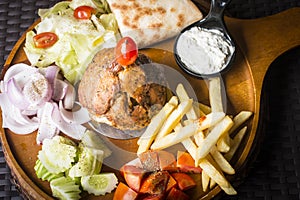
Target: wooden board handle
[(262, 40)]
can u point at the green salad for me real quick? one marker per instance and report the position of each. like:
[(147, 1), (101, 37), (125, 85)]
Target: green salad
[(78, 40)]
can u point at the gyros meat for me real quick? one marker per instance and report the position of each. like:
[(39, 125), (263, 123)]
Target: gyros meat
[(125, 97)]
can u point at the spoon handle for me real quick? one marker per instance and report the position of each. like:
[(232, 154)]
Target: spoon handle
[(217, 8)]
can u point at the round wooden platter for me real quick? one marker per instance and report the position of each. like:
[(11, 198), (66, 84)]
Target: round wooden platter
[(259, 41)]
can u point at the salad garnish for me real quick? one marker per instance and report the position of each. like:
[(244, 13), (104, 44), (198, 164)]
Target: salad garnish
[(77, 40), (39, 99), (45, 39), (84, 12), (72, 168)]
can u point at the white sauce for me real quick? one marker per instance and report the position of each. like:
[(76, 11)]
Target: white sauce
[(204, 51)]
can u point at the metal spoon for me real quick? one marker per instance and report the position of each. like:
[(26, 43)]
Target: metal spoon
[(213, 21)]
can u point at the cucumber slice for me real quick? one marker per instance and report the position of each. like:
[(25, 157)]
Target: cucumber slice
[(57, 156), (75, 179), (89, 162), (43, 173), (93, 140), (99, 184), (65, 189), (64, 140)]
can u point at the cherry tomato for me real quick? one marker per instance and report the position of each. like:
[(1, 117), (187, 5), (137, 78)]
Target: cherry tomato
[(83, 12), (126, 51), (45, 39)]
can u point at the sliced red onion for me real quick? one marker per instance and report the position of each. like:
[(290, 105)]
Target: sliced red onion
[(6, 108), (29, 112), (16, 69), (47, 129), (2, 87), (15, 114), (5, 104), (22, 77), (37, 91), (75, 131), (28, 103), (17, 128), (21, 118), (15, 95), (70, 96), (59, 90), (9, 120), (80, 116), (50, 73)]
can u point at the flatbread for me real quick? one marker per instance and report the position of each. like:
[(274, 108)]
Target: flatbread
[(151, 21)]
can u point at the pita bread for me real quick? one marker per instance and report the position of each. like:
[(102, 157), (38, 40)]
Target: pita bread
[(151, 21)]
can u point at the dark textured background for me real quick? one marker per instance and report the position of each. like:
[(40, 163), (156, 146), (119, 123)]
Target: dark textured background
[(275, 175)]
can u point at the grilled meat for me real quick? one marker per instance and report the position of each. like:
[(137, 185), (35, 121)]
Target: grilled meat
[(125, 97)]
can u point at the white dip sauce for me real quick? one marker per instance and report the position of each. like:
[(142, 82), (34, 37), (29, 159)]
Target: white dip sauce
[(204, 51)]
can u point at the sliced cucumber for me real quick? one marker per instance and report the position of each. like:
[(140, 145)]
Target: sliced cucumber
[(75, 179), (64, 140), (99, 184), (65, 189), (89, 162), (93, 140), (57, 156), (44, 174)]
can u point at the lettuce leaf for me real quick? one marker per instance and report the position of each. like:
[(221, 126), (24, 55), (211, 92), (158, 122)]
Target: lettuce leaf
[(79, 40)]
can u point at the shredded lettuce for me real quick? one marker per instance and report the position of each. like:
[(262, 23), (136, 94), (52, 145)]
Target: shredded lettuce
[(57, 9), (79, 40), (109, 22), (100, 5)]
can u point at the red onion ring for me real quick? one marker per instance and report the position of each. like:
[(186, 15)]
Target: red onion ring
[(24, 111)]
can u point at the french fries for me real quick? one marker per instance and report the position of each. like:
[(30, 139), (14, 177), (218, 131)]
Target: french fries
[(235, 143), (239, 119), (212, 138), (148, 136), (205, 133), (205, 181), (175, 137), (216, 103), (215, 95), (215, 175), (183, 96), (187, 131), (174, 118), (221, 161)]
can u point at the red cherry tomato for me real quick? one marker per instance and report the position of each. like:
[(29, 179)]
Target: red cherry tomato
[(126, 51), (83, 12), (45, 39)]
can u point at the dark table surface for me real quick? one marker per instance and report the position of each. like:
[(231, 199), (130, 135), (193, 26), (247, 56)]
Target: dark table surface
[(275, 174)]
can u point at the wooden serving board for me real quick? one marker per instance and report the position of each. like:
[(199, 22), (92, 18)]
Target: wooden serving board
[(259, 41)]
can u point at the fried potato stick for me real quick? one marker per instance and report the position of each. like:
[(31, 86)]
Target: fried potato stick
[(212, 138), (174, 118), (156, 123), (187, 131)]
